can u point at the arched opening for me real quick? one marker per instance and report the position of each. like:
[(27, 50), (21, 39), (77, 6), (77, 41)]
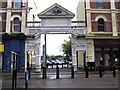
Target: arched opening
[(16, 25), (101, 24)]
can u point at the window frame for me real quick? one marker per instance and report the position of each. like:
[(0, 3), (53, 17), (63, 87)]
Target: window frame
[(18, 25), (99, 4), (17, 4), (101, 24)]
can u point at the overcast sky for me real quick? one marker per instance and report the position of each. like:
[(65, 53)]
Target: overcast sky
[(54, 42)]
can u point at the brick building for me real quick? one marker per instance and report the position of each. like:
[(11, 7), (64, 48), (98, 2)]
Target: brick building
[(102, 18), (13, 18)]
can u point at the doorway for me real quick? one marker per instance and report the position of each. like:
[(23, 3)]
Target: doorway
[(81, 61)]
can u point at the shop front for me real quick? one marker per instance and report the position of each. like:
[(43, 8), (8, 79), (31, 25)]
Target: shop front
[(107, 51), (13, 43)]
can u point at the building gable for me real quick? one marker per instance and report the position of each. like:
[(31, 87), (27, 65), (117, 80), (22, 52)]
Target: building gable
[(56, 11)]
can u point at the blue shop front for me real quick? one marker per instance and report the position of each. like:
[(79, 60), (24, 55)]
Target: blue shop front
[(13, 43)]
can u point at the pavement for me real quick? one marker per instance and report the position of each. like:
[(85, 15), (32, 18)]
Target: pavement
[(94, 82)]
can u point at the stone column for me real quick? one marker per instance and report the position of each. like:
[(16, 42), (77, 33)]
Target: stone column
[(38, 57), (74, 59)]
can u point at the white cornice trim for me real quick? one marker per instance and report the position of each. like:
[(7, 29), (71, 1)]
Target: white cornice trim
[(14, 16), (102, 10), (101, 16)]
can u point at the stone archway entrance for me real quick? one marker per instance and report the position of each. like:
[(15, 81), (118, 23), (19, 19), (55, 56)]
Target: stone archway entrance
[(56, 19)]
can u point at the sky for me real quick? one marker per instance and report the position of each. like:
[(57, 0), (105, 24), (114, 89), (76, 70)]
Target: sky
[(54, 41)]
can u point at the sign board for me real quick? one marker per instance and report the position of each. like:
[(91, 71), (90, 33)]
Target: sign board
[(31, 46), (1, 48)]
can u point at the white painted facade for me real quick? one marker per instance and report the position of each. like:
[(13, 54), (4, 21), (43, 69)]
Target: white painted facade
[(32, 11), (58, 23)]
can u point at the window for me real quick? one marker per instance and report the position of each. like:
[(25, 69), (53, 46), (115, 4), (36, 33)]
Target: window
[(99, 4), (101, 24), (17, 4), (16, 25)]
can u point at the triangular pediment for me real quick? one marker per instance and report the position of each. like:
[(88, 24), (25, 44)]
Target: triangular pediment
[(56, 10)]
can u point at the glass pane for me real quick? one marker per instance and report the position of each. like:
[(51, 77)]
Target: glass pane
[(16, 21), (16, 28), (100, 24), (99, 4), (17, 4)]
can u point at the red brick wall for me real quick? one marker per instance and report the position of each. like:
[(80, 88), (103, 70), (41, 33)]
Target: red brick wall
[(95, 25), (93, 5), (118, 21), (108, 27), (94, 15), (4, 4), (106, 5), (106, 42), (3, 22), (117, 5)]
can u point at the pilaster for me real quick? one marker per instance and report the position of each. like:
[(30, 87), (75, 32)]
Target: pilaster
[(74, 56), (90, 50), (113, 16), (88, 16), (38, 56), (23, 30), (112, 3), (8, 16)]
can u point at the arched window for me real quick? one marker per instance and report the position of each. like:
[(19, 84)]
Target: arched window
[(16, 25), (101, 24)]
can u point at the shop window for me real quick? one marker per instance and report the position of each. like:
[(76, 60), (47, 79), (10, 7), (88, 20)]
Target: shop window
[(99, 4), (16, 25), (17, 4), (101, 24)]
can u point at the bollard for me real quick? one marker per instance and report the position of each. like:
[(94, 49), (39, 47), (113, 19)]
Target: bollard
[(29, 73), (52, 65), (114, 71), (26, 79), (57, 72), (15, 78), (13, 75), (72, 71), (46, 65), (62, 65), (86, 70), (44, 73), (100, 71)]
